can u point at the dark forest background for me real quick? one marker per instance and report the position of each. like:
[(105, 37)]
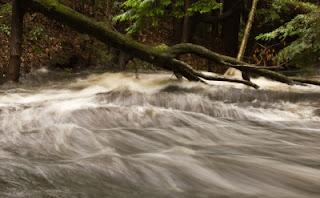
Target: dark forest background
[(285, 32)]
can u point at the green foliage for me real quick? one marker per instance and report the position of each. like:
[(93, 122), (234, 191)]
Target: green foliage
[(138, 12), (162, 47), (296, 27), (302, 33), (287, 5), (5, 10), (5, 29), (37, 33), (204, 6)]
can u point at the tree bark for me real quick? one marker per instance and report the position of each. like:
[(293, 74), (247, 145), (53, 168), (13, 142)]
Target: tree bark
[(185, 26), (13, 70), (231, 27), (246, 36), (164, 57), (247, 31)]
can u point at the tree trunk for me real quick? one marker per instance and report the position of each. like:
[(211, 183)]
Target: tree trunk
[(189, 23), (186, 23), (176, 34), (247, 31), (176, 27), (108, 9), (246, 36), (231, 28), (13, 70)]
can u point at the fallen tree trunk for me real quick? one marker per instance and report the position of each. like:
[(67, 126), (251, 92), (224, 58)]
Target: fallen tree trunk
[(306, 81), (226, 61), (165, 58), (106, 34)]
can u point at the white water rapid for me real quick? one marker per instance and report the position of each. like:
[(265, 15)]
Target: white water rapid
[(111, 135)]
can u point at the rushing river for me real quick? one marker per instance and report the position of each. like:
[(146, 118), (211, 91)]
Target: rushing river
[(111, 135)]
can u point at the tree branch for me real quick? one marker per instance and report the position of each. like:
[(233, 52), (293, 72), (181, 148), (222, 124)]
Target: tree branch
[(226, 61)]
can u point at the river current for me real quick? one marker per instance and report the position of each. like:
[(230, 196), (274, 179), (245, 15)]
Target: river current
[(112, 135)]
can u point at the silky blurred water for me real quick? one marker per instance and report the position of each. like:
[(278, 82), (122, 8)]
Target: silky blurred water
[(111, 135)]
